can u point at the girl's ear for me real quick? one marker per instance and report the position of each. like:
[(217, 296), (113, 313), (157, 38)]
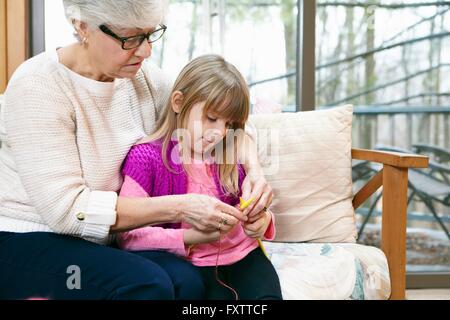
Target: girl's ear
[(177, 101)]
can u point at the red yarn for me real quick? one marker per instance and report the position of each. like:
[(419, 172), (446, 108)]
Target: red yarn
[(236, 296)]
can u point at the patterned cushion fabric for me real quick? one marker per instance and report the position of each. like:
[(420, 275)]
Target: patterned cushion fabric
[(311, 271), (307, 161)]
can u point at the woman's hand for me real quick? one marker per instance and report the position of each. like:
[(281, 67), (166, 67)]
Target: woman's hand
[(255, 186), (207, 214), (258, 227)]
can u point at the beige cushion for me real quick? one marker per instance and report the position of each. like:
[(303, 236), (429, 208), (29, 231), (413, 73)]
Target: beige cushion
[(307, 161)]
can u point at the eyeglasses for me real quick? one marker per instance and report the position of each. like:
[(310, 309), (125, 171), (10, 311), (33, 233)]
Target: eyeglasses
[(133, 42)]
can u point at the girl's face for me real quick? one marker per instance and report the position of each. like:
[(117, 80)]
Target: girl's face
[(205, 130)]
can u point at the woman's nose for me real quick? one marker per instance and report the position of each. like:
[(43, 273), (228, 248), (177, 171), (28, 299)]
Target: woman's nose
[(144, 50)]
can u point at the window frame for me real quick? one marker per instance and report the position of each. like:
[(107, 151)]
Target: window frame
[(37, 27), (306, 55)]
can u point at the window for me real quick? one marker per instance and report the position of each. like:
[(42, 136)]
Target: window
[(58, 31), (390, 59), (259, 38)]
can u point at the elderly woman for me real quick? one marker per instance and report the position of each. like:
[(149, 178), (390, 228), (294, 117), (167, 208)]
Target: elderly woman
[(71, 115)]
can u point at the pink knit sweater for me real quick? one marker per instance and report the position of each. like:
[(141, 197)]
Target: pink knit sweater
[(235, 245)]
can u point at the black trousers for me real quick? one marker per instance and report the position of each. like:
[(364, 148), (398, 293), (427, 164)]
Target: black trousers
[(253, 278), (47, 265)]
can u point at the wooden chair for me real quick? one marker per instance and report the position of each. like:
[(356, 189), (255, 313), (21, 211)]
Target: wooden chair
[(393, 177), (426, 185), (441, 164)]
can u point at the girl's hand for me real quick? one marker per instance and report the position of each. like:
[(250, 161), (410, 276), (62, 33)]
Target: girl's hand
[(255, 186), (194, 236), (208, 214), (258, 227)]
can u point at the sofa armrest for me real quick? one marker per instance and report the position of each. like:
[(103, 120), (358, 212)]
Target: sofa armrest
[(395, 159), (394, 180)]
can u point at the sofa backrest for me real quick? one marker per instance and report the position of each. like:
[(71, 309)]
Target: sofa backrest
[(306, 157)]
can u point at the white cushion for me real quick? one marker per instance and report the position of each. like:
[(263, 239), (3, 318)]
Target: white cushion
[(306, 157)]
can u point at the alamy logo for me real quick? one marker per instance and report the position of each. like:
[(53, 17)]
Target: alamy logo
[(74, 280)]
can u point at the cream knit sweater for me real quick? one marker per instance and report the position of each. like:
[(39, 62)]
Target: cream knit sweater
[(65, 137)]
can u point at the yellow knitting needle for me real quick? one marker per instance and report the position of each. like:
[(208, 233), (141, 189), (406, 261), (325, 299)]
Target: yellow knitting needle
[(244, 205)]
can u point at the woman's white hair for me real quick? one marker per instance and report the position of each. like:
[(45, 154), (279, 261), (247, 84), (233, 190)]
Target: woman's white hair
[(118, 13)]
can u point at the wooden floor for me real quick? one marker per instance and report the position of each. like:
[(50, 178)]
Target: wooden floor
[(428, 294)]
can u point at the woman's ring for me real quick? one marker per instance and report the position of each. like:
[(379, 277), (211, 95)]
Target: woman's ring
[(224, 221)]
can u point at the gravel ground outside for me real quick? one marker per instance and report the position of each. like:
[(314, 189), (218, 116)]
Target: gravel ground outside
[(427, 250)]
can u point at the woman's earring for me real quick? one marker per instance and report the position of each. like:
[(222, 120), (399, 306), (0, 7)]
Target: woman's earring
[(84, 41)]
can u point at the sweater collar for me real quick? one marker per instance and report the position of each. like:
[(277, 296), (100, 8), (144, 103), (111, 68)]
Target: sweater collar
[(99, 88), (174, 151)]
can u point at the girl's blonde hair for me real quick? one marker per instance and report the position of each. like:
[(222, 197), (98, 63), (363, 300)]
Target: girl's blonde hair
[(221, 86)]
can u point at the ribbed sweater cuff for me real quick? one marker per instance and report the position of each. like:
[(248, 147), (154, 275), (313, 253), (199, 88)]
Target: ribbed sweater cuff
[(100, 214)]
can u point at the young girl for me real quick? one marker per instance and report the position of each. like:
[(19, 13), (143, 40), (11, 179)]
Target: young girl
[(195, 151)]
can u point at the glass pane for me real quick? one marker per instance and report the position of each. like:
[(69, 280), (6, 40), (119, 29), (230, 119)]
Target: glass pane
[(259, 39), (392, 58), (58, 31)]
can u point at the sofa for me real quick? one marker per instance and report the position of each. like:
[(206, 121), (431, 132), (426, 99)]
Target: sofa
[(307, 159)]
